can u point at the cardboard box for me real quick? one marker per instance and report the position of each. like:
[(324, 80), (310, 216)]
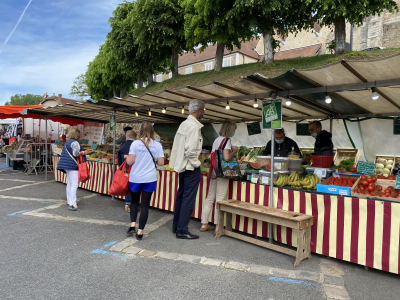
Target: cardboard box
[(383, 182), (334, 189)]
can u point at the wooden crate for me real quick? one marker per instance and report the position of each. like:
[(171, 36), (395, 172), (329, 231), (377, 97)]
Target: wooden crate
[(383, 182), (346, 153), (392, 157)]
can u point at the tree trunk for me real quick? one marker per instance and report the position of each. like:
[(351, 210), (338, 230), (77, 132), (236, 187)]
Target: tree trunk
[(139, 80), (268, 48), (340, 35), (219, 57), (175, 58), (110, 95), (115, 91), (150, 78), (123, 91)]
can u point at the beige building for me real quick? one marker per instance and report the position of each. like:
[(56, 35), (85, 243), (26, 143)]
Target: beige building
[(55, 100)]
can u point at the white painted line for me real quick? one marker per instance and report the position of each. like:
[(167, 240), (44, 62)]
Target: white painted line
[(25, 185), (18, 180)]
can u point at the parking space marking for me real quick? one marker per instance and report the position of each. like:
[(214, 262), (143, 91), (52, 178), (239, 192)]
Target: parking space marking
[(19, 212), (18, 180), (25, 185), (31, 199), (292, 281), (103, 250)]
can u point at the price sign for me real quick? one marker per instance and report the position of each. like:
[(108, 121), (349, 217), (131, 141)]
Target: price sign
[(253, 128), (93, 146), (85, 142), (397, 185), (58, 142), (365, 168), (113, 122), (272, 114), (302, 129)]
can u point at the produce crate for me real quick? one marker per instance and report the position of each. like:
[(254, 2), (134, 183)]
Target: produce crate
[(383, 182), (392, 157), (334, 189), (346, 153)]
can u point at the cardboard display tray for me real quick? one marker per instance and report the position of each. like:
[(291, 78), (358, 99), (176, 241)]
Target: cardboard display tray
[(383, 182)]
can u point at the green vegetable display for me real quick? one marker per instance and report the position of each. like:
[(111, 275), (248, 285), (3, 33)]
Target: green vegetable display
[(243, 151), (346, 164)]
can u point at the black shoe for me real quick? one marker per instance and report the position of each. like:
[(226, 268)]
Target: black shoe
[(187, 236), (131, 230), (139, 236), (173, 230)]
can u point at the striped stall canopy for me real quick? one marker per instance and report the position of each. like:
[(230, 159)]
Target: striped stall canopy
[(348, 83)]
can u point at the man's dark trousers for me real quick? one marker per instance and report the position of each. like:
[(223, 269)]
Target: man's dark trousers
[(186, 199)]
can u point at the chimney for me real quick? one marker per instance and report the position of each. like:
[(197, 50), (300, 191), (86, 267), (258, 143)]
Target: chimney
[(59, 97)]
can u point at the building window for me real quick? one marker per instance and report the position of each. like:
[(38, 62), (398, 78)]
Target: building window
[(170, 75), (227, 62), (208, 66), (188, 70), (159, 78)]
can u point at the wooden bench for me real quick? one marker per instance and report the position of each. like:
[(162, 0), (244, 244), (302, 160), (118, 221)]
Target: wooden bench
[(300, 222)]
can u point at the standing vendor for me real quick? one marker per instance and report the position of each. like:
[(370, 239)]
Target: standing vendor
[(283, 145), (323, 139)]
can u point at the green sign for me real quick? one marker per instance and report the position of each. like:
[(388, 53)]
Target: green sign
[(396, 126), (58, 142), (113, 122), (85, 142), (253, 128), (93, 146), (272, 114), (365, 168), (302, 129), (397, 185)]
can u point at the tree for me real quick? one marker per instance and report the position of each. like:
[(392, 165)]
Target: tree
[(28, 99), (158, 26), (206, 22), (337, 12), (267, 17), (79, 88), (94, 80)]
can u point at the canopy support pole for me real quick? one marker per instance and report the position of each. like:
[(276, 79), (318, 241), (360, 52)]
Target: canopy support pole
[(45, 164), (113, 158), (330, 124), (271, 182)]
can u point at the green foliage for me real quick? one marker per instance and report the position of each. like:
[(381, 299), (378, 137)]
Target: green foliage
[(28, 99), (207, 21), (331, 46), (79, 88)]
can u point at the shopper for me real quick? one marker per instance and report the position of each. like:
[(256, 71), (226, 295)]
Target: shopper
[(143, 155), (124, 150), (69, 165), (219, 186), (186, 149)]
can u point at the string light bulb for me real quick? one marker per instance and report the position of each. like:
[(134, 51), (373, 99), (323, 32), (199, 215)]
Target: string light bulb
[(149, 112), (375, 95), (327, 98), (183, 109), (164, 110), (288, 102), (227, 107), (136, 114), (255, 105)]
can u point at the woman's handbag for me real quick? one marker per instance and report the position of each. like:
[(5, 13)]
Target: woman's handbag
[(83, 169), (224, 169), (120, 184)]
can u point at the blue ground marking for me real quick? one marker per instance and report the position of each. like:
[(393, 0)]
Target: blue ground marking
[(105, 252), (293, 281), (44, 202), (4, 166), (19, 212)]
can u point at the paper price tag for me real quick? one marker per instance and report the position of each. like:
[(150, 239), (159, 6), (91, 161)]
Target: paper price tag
[(265, 180)]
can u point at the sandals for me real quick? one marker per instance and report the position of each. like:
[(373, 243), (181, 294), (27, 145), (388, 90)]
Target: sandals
[(207, 228), (127, 207)]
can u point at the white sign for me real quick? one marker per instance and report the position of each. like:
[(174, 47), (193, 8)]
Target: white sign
[(321, 173)]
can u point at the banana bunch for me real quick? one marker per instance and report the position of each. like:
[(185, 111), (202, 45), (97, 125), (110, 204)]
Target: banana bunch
[(283, 180), (309, 182), (293, 177)]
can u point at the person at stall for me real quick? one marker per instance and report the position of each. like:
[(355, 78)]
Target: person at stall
[(218, 186), (283, 145), (323, 139), (144, 153), (124, 150), (188, 143), (122, 139), (69, 165)]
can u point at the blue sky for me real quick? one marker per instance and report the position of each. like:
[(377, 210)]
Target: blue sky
[(53, 43)]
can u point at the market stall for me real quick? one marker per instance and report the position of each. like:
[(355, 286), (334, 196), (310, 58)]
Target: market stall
[(349, 225)]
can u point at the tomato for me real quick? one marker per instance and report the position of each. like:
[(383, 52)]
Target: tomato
[(391, 177), (363, 177), (370, 188), (362, 188), (379, 187), (370, 180), (374, 179), (364, 183)]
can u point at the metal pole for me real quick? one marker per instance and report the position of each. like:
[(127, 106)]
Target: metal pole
[(271, 183), (113, 168), (45, 164), (330, 124)]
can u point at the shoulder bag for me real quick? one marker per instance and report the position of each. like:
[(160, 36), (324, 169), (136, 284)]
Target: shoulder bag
[(152, 157), (224, 169), (83, 170)]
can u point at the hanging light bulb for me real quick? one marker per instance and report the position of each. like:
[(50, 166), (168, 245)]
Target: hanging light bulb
[(183, 109), (327, 98), (136, 114), (375, 95), (164, 110), (227, 105), (149, 112), (288, 102), (255, 105)]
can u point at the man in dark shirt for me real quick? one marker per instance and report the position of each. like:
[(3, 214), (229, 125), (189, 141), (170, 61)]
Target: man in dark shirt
[(323, 139), (283, 145)]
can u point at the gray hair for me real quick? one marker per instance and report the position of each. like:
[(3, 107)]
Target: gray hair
[(195, 105)]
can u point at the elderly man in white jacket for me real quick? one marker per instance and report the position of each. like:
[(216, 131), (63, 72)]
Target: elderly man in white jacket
[(184, 159)]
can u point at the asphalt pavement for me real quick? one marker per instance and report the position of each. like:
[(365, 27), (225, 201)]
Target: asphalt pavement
[(49, 252)]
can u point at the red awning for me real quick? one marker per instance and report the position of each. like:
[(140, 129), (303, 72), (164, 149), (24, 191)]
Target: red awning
[(16, 111)]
